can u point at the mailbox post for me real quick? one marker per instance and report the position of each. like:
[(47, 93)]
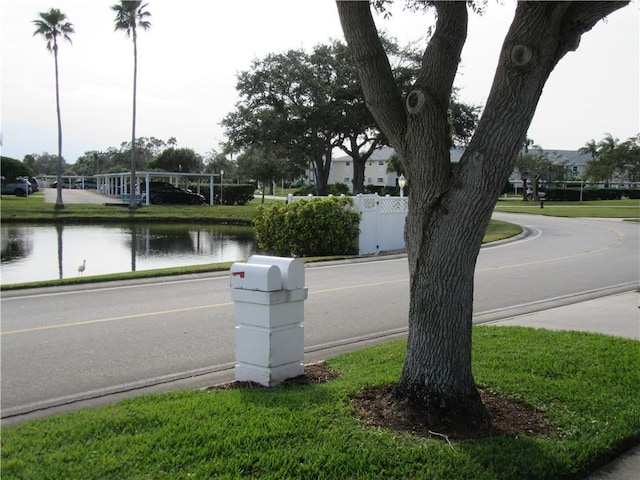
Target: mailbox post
[(269, 296)]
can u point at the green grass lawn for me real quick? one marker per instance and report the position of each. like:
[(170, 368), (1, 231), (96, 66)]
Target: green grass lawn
[(33, 209), (599, 209), (586, 384)]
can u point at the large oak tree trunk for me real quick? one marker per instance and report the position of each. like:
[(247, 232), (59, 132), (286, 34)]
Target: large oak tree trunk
[(443, 243), (450, 206)]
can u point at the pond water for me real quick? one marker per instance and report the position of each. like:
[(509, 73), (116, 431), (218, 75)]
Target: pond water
[(43, 252)]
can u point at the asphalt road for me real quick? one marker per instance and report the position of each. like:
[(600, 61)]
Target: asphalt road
[(65, 348)]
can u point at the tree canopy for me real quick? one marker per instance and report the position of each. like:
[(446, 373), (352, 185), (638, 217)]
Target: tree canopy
[(612, 160), (53, 25), (305, 105), (539, 166), (12, 169), (177, 160)]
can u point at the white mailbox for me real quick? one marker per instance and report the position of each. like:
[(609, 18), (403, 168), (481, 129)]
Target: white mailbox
[(263, 278), (269, 296), (291, 269)]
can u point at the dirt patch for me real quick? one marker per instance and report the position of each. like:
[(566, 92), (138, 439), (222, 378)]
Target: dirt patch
[(377, 406), (313, 373)]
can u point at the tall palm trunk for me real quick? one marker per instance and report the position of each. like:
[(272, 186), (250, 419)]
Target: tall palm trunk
[(132, 181), (59, 203)]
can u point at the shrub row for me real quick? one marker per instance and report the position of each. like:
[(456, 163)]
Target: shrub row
[(232, 194), (316, 227), (573, 194), (343, 189), (332, 189)]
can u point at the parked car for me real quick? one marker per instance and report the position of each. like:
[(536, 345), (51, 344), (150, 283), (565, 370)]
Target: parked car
[(163, 192), (35, 185), (20, 187), (89, 183), (542, 194), (65, 184)]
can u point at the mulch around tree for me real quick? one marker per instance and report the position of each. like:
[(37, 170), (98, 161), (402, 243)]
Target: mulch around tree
[(378, 407)]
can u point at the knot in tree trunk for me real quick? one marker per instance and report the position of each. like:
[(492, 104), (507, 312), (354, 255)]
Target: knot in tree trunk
[(415, 102), (521, 55)]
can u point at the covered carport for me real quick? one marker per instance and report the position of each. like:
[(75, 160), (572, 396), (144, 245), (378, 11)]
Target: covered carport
[(118, 184)]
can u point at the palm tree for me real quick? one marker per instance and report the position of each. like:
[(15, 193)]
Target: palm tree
[(51, 25), (131, 15), (591, 148), (608, 144)]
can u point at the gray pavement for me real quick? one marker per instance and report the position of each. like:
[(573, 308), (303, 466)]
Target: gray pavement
[(617, 315), (76, 195)]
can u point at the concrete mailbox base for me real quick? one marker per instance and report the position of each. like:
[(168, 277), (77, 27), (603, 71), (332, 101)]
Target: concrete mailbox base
[(269, 356), (269, 340)]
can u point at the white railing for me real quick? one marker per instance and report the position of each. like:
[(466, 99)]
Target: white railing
[(381, 222)]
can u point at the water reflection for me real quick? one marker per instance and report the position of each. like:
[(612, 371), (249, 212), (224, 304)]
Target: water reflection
[(15, 245), (33, 252)]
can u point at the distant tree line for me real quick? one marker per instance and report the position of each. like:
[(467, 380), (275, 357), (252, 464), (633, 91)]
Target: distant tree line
[(613, 160), (152, 154)]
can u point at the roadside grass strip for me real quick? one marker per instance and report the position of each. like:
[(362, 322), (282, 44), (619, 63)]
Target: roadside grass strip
[(587, 385), (626, 208)]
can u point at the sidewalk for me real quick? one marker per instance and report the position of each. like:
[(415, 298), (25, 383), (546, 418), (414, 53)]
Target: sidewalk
[(617, 315)]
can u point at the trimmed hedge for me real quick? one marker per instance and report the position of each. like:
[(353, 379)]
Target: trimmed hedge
[(332, 189), (573, 194), (633, 193), (233, 194), (316, 227)]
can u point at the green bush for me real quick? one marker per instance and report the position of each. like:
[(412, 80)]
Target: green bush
[(315, 227), (305, 190), (233, 194), (337, 189)]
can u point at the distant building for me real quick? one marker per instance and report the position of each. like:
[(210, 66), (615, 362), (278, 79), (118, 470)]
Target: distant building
[(376, 174), (375, 170)]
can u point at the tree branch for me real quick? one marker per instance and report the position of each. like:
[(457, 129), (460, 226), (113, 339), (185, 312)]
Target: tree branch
[(579, 18), (442, 55), (379, 87)]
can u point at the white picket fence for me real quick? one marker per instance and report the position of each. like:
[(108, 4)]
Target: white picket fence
[(381, 222)]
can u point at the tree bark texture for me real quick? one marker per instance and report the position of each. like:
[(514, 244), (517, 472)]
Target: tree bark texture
[(322, 165), (450, 205), (359, 158)]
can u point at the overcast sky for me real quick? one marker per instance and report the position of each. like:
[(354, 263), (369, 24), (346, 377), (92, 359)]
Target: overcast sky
[(189, 59)]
